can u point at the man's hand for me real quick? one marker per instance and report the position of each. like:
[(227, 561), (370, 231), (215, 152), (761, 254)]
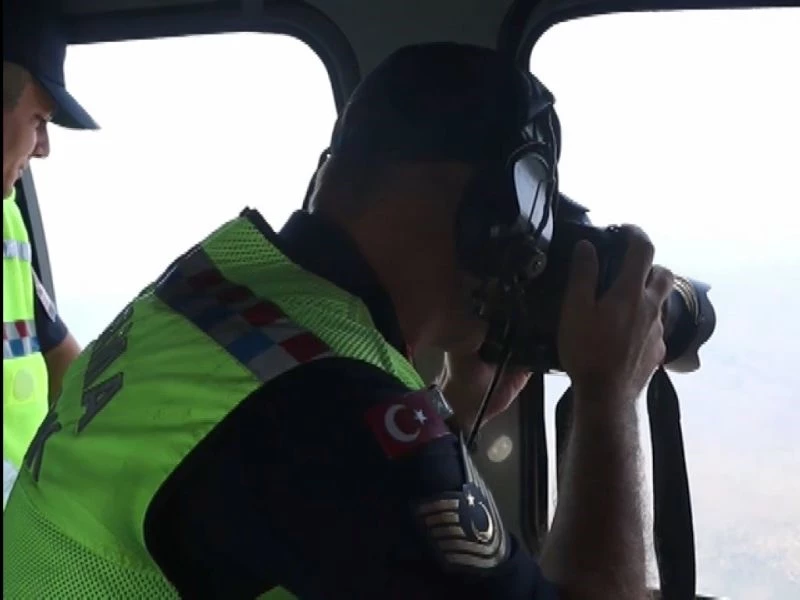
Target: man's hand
[(609, 346), (58, 361), (614, 343)]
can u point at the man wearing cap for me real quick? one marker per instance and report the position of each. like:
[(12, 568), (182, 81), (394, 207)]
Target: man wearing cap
[(252, 425), (37, 347)]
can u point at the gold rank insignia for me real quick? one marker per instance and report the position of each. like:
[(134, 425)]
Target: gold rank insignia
[(464, 527)]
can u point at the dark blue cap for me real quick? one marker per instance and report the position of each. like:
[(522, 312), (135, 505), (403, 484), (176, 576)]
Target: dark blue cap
[(34, 39)]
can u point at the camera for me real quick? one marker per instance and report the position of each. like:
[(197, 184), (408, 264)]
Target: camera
[(523, 315)]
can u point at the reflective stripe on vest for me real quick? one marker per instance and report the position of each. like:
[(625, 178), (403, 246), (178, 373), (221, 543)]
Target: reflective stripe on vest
[(24, 369), (228, 316), (17, 250)]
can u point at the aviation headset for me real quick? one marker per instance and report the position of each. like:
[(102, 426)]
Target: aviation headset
[(504, 224)]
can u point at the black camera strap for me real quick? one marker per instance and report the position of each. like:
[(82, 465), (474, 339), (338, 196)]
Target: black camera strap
[(673, 528)]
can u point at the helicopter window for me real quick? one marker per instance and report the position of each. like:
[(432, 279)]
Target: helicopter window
[(688, 124), (193, 130)]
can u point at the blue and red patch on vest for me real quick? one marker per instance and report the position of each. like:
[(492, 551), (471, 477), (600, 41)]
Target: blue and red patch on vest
[(252, 330), (19, 339)]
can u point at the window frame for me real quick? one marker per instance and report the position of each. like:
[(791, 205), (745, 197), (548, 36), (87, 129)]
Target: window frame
[(29, 207), (526, 49), (300, 21)]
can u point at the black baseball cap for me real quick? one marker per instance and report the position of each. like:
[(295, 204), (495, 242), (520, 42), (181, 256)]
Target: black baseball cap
[(439, 101), (33, 38)]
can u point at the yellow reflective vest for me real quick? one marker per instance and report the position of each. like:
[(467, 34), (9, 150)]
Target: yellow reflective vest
[(24, 371), (228, 316)]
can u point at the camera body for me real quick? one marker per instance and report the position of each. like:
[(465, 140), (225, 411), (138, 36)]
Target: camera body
[(524, 318)]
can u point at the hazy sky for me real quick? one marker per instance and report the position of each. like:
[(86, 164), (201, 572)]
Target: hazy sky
[(686, 124), (689, 125)]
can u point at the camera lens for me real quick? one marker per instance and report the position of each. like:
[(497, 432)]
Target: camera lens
[(689, 321)]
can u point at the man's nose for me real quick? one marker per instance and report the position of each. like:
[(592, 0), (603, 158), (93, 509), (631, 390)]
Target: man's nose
[(42, 148)]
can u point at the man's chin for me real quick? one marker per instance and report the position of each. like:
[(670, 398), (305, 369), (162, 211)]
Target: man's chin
[(470, 337), (9, 181)]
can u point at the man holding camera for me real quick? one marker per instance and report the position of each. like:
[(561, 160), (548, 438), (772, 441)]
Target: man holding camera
[(252, 424)]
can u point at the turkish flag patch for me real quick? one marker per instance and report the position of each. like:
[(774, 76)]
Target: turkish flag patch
[(405, 423)]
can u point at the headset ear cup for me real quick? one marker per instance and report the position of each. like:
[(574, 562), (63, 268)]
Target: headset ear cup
[(312, 184)]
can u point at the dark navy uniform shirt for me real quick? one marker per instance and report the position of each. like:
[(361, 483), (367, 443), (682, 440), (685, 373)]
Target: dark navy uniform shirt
[(294, 487), (50, 329)]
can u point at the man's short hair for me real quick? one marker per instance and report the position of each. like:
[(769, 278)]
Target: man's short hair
[(15, 78), (436, 101)]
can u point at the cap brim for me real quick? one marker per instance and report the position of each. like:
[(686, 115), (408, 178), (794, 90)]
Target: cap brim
[(68, 112)]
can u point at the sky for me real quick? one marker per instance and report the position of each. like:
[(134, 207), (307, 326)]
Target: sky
[(686, 124)]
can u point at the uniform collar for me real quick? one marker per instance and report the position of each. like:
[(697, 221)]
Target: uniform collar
[(321, 247)]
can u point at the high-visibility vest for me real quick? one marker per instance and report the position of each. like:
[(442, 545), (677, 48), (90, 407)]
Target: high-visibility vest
[(24, 370), (228, 316)]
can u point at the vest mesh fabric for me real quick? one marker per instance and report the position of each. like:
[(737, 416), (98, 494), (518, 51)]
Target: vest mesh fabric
[(81, 573), (339, 319)]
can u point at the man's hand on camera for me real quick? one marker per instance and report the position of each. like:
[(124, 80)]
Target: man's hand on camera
[(609, 346), (612, 344)]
